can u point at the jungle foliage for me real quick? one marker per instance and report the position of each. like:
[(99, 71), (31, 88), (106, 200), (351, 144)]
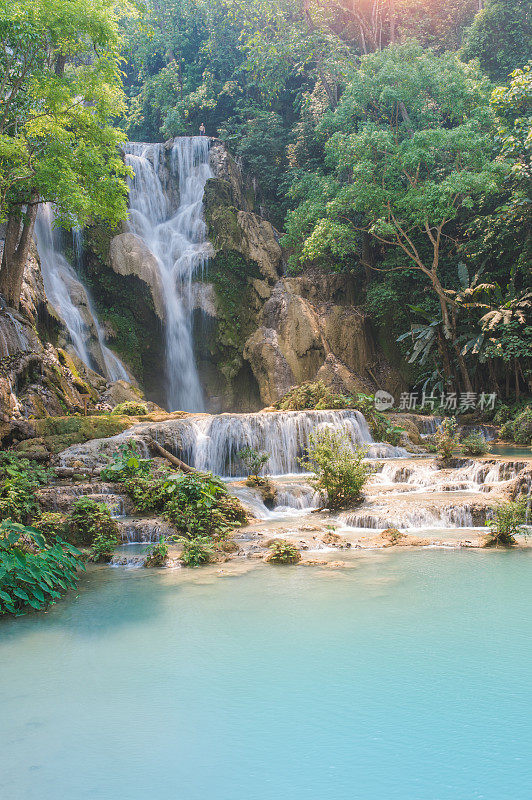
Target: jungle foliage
[(382, 147)]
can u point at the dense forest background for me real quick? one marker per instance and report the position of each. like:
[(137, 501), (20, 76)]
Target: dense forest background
[(390, 140)]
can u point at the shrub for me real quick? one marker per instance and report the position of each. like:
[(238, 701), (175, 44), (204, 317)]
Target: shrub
[(519, 429), (502, 415), (508, 522), (19, 478), (148, 493), (253, 460), (157, 554), (283, 552), (313, 395), (91, 521), (316, 395), (382, 429), (105, 539), (339, 471), (52, 525), (475, 444), (131, 408), (199, 505), (446, 438), (127, 463), (33, 574), (200, 550)]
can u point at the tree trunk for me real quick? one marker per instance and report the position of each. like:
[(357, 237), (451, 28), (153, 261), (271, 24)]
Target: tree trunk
[(516, 378), (468, 386), (446, 361), (19, 232), (392, 21)]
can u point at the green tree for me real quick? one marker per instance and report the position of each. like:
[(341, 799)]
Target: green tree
[(412, 149), (501, 37), (61, 85)]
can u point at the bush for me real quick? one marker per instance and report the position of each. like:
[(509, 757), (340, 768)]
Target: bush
[(313, 395), (283, 552), (199, 505), (319, 397), (19, 478), (446, 438), (91, 524), (339, 471), (131, 408), (200, 550), (508, 522), (519, 429), (52, 525), (475, 444), (382, 429), (157, 554), (148, 493), (105, 540), (126, 464), (33, 574), (253, 460)]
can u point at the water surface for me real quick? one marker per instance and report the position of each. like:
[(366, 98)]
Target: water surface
[(405, 678)]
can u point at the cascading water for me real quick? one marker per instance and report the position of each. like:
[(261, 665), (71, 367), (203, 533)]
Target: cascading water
[(177, 239), (212, 442), (67, 294)]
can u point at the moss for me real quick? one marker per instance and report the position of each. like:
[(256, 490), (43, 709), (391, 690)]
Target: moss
[(221, 215), (230, 274), (60, 432), (130, 409)]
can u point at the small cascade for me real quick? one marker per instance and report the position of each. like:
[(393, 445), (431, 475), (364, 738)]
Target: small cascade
[(143, 530), (178, 240), (70, 298), (15, 337), (417, 519), (212, 443)]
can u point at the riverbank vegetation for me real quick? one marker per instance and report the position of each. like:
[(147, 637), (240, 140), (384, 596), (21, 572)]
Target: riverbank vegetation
[(33, 572), (508, 522)]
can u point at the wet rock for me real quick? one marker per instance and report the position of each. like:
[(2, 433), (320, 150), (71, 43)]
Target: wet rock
[(128, 255)]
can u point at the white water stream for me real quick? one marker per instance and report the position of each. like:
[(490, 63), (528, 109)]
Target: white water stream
[(68, 295), (178, 240)]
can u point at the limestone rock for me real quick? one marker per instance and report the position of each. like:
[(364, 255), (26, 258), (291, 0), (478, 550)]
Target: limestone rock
[(129, 255), (260, 243), (121, 392), (269, 365)]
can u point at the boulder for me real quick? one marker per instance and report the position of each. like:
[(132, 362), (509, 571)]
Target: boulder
[(129, 255)]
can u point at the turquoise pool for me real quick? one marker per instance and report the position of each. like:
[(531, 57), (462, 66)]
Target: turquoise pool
[(405, 678)]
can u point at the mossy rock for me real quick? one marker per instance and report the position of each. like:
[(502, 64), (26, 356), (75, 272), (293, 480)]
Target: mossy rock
[(58, 433)]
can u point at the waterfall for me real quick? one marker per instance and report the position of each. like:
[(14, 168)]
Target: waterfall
[(212, 443), (178, 240), (67, 295)]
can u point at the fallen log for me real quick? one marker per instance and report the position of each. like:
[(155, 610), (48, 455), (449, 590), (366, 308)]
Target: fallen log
[(176, 462)]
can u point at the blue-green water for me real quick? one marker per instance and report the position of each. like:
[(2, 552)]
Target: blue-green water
[(406, 678), (514, 451)]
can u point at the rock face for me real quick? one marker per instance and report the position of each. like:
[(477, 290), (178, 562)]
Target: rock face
[(129, 256), (302, 340), (257, 331), (296, 328)]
